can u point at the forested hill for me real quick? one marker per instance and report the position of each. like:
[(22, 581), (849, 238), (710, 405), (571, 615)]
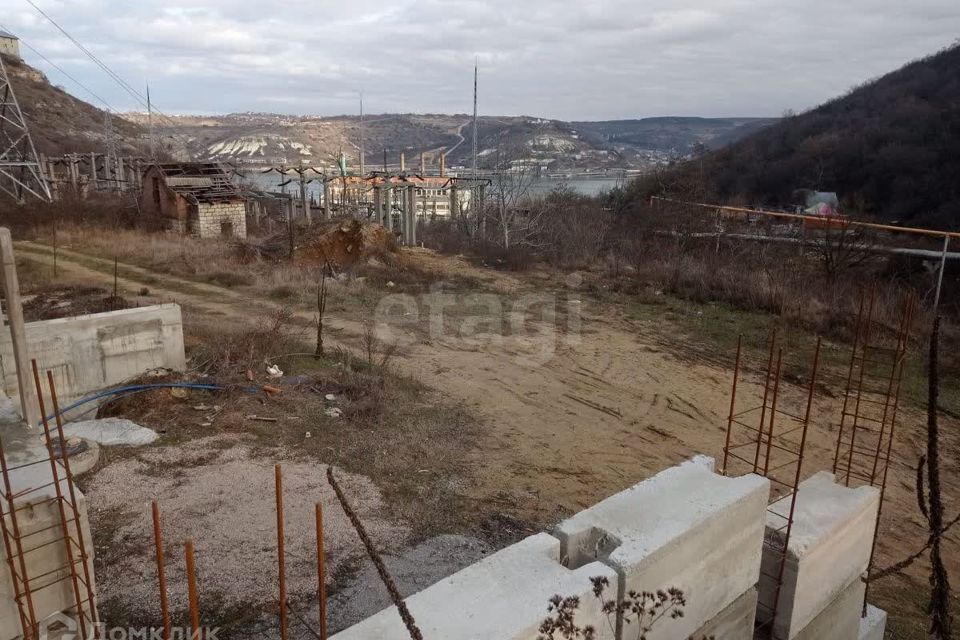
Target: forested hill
[(890, 148)]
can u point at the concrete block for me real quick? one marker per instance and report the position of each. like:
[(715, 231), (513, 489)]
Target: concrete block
[(873, 625), (502, 597), (38, 518), (88, 353), (733, 623), (829, 549), (686, 527), (840, 620)]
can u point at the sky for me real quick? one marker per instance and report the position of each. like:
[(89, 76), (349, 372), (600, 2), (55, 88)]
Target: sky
[(583, 60)]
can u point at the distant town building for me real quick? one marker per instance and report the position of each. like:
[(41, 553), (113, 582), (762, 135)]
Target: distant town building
[(196, 197), (9, 44)]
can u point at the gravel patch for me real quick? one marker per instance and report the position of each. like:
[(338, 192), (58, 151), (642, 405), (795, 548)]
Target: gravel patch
[(217, 492)]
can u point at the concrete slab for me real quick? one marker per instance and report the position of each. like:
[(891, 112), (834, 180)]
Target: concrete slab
[(91, 352), (686, 527), (873, 625), (829, 549), (840, 620), (733, 623), (502, 597)]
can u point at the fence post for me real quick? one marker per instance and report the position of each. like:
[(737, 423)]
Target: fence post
[(18, 335)]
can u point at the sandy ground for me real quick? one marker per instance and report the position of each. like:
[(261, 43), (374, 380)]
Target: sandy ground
[(624, 400)]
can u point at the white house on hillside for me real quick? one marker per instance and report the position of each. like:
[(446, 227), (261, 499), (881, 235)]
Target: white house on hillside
[(9, 44)]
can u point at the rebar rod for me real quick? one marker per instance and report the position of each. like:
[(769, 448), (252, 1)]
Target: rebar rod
[(81, 543), (192, 591), (59, 493), (161, 570), (281, 552), (321, 573)]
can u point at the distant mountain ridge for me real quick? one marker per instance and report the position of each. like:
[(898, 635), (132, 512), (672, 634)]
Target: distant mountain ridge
[(890, 148), (61, 123), (552, 144)]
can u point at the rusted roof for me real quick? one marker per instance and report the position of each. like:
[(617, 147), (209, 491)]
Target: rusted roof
[(199, 181)]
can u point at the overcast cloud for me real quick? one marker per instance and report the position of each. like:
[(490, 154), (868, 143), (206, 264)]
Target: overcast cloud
[(592, 59)]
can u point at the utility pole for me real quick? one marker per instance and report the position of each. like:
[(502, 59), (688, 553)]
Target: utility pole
[(20, 171), (362, 167), (476, 70), (153, 151), (303, 192)]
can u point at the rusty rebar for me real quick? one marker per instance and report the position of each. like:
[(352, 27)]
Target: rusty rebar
[(161, 570), (863, 369), (65, 456), (907, 322), (773, 412), (281, 552), (405, 615), (192, 591), (766, 392), (321, 573), (733, 400), (59, 493), (796, 481), (846, 395), (28, 619)]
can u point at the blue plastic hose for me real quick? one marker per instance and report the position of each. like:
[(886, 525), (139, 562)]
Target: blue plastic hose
[(137, 388)]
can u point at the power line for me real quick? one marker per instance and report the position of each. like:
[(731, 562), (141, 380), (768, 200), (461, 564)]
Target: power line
[(110, 72), (61, 70)]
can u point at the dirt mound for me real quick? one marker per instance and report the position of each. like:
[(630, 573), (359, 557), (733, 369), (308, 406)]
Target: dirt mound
[(346, 243)]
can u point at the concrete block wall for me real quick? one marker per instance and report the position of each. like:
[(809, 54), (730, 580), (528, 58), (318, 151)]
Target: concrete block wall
[(88, 353), (40, 526), (686, 527), (828, 552), (502, 597), (211, 216)]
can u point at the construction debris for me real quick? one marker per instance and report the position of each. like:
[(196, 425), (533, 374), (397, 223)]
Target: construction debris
[(111, 432)]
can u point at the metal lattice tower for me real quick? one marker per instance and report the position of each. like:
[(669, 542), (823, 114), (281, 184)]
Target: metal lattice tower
[(20, 172)]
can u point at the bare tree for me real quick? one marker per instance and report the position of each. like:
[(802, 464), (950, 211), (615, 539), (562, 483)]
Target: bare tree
[(517, 224)]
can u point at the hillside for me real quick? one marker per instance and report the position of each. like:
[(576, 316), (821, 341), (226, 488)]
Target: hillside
[(60, 123), (552, 144), (890, 148)]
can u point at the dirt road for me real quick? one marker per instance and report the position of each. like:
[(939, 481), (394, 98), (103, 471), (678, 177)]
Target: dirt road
[(604, 412)]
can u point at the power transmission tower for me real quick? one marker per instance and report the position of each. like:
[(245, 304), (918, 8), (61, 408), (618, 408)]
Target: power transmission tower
[(112, 153), (20, 172)]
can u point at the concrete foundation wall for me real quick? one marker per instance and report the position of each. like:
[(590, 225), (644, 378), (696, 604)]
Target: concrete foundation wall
[(87, 353), (40, 528), (687, 527), (829, 549), (733, 623), (873, 625), (502, 597), (840, 620)]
